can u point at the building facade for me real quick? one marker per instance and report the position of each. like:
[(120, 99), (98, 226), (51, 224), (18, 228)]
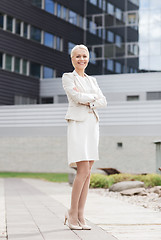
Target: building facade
[(36, 37)]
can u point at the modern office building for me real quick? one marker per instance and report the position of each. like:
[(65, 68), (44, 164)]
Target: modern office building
[(36, 37)]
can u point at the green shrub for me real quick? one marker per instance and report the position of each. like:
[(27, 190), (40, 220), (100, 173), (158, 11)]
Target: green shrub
[(98, 181), (105, 181)]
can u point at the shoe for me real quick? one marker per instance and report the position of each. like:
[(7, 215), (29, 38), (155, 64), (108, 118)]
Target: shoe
[(71, 226), (84, 226)]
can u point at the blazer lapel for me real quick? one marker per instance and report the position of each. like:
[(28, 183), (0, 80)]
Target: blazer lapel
[(78, 82)]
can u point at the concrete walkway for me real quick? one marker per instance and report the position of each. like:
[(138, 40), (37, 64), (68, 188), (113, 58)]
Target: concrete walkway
[(35, 210)]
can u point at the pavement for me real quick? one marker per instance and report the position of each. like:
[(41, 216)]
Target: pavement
[(33, 209)]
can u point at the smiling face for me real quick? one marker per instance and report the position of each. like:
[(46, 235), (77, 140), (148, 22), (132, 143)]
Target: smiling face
[(80, 59)]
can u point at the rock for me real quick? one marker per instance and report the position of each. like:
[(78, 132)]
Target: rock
[(71, 177), (156, 189), (133, 191), (120, 186)]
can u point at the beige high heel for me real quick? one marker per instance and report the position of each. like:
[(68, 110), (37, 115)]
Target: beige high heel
[(84, 226), (71, 226)]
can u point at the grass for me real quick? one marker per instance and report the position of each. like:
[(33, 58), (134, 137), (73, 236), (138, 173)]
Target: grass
[(52, 177)]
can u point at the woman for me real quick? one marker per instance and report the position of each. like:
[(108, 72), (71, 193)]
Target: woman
[(84, 98)]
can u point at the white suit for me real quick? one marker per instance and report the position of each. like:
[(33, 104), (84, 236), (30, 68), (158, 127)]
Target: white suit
[(83, 120)]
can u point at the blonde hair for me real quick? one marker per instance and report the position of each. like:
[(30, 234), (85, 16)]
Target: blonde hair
[(77, 47)]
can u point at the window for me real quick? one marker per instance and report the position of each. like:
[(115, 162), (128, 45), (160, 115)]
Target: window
[(153, 95), (9, 23), (58, 43), (18, 27), (72, 17), (110, 9), (110, 36), (94, 2), (92, 57), (92, 27), (24, 67), (50, 6), (100, 3), (58, 10), (8, 62), (1, 20), (25, 30), (37, 3), (35, 69), (47, 100), (48, 72), (70, 46), (110, 64), (64, 13), (118, 14), (118, 41), (119, 145), (35, 34), (17, 65), (104, 5), (81, 21), (48, 39), (118, 67), (132, 98), (132, 18), (1, 60), (23, 100)]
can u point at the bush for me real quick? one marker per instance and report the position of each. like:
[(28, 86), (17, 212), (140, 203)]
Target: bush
[(105, 181)]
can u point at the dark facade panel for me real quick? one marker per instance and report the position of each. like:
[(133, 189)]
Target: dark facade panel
[(12, 84)]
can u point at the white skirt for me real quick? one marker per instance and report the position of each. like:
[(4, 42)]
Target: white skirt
[(83, 140)]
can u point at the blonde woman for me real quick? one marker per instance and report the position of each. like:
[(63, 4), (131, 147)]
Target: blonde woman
[(84, 96)]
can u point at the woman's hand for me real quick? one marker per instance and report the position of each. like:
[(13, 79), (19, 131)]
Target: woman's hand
[(75, 89)]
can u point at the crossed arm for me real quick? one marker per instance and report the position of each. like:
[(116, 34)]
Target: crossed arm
[(97, 100)]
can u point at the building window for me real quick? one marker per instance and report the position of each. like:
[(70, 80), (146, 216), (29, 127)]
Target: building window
[(92, 27), (17, 65), (35, 34), (48, 72), (34, 69), (37, 3), (1, 20), (110, 65), (118, 41), (100, 3), (118, 14), (72, 17), (94, 2), (153, 95), (50, 6), (20, 100), (119, 145), (18, 27), (8, 65), (132, 18), (81, 21), (110, 9), (58, 43), (64, 13), (9, 23), (48, 40), (70, 46), (132, 98), (118, 67), (24, 67), (25, 30), (92, 57), (110, 36), (58, 10), (47, 100), (1, 60)]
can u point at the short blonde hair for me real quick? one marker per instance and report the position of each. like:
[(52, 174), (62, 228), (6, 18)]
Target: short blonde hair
[(77, 47)]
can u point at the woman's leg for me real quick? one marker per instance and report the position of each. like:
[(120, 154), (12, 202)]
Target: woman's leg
[(83, 196), (80, 179)]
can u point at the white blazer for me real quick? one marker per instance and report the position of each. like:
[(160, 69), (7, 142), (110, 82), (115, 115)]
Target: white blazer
[(77, 110)]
